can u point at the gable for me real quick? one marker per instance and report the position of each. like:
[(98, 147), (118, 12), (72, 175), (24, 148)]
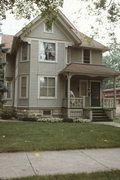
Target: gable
[(57, 34)]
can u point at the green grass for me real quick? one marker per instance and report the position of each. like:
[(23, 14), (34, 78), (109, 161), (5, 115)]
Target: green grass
[(31, 136), (108, 175)]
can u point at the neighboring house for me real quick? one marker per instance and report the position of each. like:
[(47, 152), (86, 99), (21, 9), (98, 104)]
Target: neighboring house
[(57, 71), (109, 93)]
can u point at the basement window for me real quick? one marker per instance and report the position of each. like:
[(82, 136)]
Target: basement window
[(47, 113)]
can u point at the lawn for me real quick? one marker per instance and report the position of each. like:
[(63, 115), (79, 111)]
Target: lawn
[(31, 136), (117, 119), (108, 175)]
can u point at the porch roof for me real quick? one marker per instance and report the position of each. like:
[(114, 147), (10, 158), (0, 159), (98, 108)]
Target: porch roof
[(90, 70)]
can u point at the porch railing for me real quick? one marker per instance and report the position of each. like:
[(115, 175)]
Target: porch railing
[(74, 102), (108, 102)]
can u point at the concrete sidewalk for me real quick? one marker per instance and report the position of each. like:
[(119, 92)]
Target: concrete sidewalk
[(58, 162)]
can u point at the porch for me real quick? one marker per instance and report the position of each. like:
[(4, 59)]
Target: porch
[(84, 91), (78, 108)]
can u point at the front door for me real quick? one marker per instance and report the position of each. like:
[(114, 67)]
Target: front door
[(95, 94)]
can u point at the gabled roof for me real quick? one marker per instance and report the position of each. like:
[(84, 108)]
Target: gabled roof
[(81, 39), (90, 70)]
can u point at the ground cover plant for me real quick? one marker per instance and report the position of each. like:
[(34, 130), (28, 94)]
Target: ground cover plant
[(31, 136), (107, 175)]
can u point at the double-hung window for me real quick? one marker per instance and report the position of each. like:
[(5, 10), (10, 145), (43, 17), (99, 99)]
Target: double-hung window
[(86, 56), (9, 89), (47, 87), (23, 86), (24, 51), (47, 51)]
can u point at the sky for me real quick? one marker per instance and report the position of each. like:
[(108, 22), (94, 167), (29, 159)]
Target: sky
[(71, 10)]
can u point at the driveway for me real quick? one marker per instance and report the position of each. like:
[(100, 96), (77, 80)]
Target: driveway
[(58, 162)]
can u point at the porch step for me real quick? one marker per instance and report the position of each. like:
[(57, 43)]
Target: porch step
[(99, 115)]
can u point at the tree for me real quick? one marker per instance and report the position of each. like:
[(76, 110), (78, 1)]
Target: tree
[(48, 9), (2, 64), (113, 60)]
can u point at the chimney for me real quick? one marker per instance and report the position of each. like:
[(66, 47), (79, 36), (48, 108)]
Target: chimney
[(1, 33)]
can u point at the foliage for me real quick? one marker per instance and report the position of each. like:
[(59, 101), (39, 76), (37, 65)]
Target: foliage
[(48, 9), (112, 60), (28, 118), (30, 8), (30, 136), (8, 114), (50, 119), (2, 64)]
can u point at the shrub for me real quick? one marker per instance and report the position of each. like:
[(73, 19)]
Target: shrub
[(6, 114), (28, 118), (50, 119), (70, 120)]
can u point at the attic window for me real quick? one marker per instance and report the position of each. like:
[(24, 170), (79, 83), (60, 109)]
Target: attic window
[(48, 29), (86, 56)]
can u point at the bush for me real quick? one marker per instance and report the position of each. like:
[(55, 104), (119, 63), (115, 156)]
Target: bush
[(6, 114), (70, 120), (28, 118), (50, 120)]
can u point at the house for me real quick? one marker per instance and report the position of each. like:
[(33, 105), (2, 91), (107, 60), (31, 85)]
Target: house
[(57, 71), (109, 93)]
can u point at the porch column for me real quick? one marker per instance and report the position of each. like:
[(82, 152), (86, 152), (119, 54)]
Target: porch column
[(114, 87), (68, 90)]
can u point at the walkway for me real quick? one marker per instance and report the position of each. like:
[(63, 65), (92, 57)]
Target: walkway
[(58, 162), (112, 123)]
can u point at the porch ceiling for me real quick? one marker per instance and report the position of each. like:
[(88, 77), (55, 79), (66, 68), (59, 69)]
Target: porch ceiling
[(89, 70)]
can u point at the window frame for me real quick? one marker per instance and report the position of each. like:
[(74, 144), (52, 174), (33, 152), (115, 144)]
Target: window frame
[(56, 51), (83, 55), (20, 92), (47, 97), (21, 59), (81, 86), (46, 115), (11, 90), (45, 29)]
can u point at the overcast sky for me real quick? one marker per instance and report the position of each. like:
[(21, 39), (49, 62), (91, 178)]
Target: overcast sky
[(71, 10)]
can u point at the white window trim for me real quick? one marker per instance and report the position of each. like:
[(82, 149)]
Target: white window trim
[(11, 87), (81, 86), (26, 60), (20, 97), (45, 31), (83, 56), (56, 53), (44, 97)]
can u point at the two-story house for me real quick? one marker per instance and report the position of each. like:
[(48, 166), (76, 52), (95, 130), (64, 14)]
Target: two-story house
[(57, 71)]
